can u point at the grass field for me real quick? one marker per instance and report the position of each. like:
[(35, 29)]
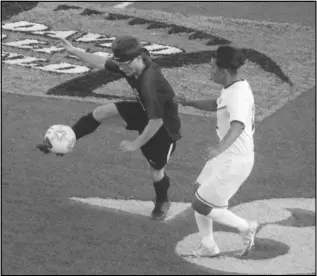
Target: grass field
[(43, 232), (260, 11)]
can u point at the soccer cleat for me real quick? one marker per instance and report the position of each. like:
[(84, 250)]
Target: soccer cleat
[(248, 237), (160, 210), (44, 146), (204, 251)]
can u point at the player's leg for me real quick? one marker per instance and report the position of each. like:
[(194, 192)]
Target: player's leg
[(205, 215), (220, 180), (157, 152), (161, 183), (124, 112), (207, 246), (88, 123)]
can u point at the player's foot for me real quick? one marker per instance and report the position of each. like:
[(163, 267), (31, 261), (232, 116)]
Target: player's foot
[(44, 146), (204, 251), (249, 236), (160, 210)]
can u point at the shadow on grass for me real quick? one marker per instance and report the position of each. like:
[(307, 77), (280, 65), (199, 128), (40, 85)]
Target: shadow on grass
[(285, 153), (9, 9)]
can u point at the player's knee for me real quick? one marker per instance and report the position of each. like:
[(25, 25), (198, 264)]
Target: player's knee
[(157, 175), (196, 185), (200, 207), (105, 111), (218, 213)]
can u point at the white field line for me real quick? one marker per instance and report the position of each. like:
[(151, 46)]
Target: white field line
[(102, 101), (137, 207), (123, 5)]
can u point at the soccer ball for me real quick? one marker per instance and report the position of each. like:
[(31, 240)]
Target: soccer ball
[(61, 138)]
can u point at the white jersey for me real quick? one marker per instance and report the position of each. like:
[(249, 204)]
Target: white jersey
[(236, 103)]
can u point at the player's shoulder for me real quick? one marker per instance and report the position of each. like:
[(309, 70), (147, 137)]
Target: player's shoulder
[(152, 69), (241, 84), (241, 91), (152, 74), (241, 88)]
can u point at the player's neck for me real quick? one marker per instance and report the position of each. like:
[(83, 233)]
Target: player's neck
[(139, 71), (230, 79)]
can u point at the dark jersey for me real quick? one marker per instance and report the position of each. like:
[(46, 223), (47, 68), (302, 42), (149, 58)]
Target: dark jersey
[(155, 95)]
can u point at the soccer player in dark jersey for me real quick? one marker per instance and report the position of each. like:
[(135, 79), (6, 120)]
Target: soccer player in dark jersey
[(154, 114)]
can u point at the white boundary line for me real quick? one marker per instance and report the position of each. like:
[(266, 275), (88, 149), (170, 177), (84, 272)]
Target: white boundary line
[(91, 100), (123, 5), (136, 207), (275, 227)]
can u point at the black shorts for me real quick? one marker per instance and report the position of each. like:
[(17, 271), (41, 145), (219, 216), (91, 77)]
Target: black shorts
[(160, 147)]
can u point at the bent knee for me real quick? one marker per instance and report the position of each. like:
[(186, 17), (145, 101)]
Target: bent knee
[(201, 207), (105, 111), (157, 175)]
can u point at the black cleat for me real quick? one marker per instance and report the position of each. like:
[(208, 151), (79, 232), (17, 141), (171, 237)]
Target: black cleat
[(45, 146), (160, 210)]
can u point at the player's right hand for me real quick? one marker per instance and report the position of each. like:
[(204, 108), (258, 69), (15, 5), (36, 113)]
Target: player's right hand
[(180, 99), (67, 45)]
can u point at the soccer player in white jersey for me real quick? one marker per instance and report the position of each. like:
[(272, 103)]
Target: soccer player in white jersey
[(230, 161)]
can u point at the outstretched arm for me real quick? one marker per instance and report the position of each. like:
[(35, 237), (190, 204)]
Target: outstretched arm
[(207, 105), (91, 60)]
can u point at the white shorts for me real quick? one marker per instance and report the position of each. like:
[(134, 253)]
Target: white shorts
[(221, 178)]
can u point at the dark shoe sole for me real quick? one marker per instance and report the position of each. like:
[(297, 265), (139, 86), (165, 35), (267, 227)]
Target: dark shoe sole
[(45, 146)]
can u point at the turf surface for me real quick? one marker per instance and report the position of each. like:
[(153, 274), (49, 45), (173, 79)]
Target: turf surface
[(44, 233), (295, 12)]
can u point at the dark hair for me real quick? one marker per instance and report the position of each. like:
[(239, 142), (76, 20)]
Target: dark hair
[(229, 57), (126, 48)]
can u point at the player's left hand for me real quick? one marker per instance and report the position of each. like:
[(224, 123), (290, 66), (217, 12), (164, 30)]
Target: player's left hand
[(180, 99), (212, 152), (128, 146)]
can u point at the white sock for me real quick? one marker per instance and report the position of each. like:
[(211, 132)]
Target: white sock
[(226, 217), (205, 228)]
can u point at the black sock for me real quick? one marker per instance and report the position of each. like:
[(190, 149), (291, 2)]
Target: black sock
[(85, 125), (161, 188)]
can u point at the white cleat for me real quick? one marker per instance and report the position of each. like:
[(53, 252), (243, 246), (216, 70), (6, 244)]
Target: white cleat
[(249, 236), (203, 251)]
